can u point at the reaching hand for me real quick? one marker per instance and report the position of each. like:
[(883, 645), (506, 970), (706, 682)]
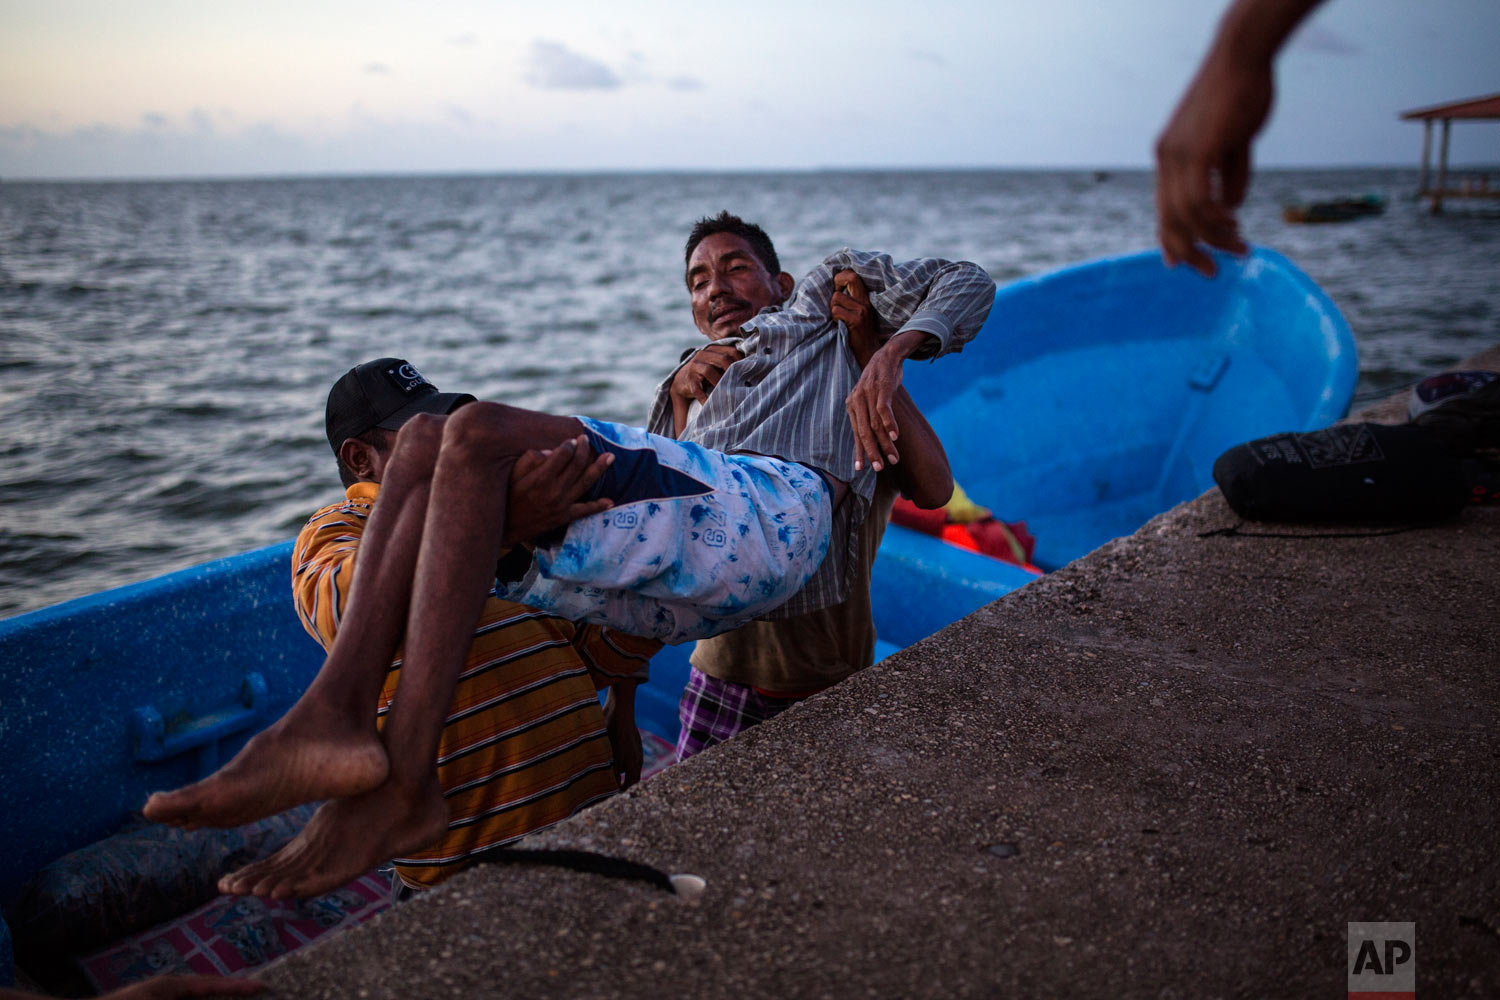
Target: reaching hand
[(870, 412), (1203, 155), (869, 403), (545, 485), (1203, 162), (697, 378)]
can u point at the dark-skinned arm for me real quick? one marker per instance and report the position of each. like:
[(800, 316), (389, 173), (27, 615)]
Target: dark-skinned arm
[(920, 464), (619, 662), (697, 378), (1203, 154), (546, 490), (624, 735)]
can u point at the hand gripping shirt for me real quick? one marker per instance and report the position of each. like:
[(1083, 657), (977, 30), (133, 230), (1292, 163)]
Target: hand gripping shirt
[(524, 743), (785, 398)]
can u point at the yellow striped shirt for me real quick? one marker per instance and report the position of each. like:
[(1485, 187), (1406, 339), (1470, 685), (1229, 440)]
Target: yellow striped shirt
[(524, 745)]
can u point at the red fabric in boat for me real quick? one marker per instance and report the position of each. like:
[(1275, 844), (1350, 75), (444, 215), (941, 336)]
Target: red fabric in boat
[(1007, 541)]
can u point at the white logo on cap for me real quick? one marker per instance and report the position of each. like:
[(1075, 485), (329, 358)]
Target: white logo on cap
[(407, 377)]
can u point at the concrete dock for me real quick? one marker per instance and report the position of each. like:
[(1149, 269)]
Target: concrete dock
[(1178, 767)]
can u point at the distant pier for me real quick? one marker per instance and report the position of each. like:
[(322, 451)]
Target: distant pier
[(1473, 109)]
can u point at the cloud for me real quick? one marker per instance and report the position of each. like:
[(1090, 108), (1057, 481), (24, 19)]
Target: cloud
[(377, 69), (684, 83), (553, 66), (1316, 38), (155, 119), (202, 121), (465, 40)]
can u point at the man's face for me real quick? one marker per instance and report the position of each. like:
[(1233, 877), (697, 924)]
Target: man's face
[(729, 285)]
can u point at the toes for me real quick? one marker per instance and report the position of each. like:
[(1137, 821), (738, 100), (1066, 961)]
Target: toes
[(167, 807), (238, 883), (271, 881), (258, 878)]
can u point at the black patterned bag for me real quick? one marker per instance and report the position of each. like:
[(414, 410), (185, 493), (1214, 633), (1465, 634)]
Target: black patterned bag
[(1348, 472)]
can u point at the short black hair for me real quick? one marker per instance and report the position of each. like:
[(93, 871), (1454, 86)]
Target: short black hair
[(760, 243)]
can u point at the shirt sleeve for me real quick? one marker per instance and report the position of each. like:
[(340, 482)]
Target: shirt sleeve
[(613, 656), (948, 300), (323, 566)]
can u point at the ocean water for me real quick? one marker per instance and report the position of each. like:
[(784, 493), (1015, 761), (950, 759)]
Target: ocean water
[(166, 347)]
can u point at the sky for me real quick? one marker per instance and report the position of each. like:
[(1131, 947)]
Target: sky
[(179, 88)]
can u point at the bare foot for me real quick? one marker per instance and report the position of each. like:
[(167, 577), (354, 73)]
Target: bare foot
[(284, 766), (345, 839)]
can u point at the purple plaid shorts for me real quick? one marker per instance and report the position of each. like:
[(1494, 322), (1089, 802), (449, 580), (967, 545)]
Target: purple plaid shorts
[(711, 711)]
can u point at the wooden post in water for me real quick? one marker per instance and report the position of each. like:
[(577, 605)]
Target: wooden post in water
[(1473, 109), (1426, 154), (1442, 177)]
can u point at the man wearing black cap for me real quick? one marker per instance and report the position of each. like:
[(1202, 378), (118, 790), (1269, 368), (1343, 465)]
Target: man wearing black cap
[(694, 542), (370, 403), (523, 744)]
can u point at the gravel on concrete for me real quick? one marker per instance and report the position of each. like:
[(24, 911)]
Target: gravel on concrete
[(1177, 767)]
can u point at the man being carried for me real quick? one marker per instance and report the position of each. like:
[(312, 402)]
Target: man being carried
[(523, 744), (746, 676), (698, 542)]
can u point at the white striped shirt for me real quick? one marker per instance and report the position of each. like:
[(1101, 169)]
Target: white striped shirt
[(786, 397)]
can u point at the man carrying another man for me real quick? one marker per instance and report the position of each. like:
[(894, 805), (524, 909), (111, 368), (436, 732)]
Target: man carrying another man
[(704, 535), (746, 676)]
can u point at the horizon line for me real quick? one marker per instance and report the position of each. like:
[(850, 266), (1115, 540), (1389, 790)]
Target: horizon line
[(374, 174)]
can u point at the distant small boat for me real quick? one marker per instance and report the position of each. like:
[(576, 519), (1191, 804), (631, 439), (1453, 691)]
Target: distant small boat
[(1333, 210)]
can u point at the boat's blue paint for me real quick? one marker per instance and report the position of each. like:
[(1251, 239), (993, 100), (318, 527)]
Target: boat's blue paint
[(76, 675), (1095, 398), (921, 584), (1098, 396)]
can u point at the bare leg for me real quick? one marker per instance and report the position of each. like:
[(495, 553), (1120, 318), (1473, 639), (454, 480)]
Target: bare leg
[(326, 745), (465, 521)]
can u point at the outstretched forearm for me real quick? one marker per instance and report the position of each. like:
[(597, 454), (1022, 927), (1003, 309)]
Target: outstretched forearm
[(922, 475), (1253, 31)]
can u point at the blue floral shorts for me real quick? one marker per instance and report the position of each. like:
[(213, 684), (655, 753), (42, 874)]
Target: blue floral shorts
[(697, 543)]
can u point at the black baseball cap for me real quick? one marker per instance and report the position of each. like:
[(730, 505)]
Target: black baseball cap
[(386, 392)]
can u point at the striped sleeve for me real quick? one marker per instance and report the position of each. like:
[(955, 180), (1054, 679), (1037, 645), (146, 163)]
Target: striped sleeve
[(323, 564), (947, 300), (613, 656)]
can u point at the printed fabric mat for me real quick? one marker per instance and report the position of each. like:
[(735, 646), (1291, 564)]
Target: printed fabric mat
[(232, 935), (656, 754)]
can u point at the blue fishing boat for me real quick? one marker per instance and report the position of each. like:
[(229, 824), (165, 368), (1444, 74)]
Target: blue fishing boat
[(1095, 398)]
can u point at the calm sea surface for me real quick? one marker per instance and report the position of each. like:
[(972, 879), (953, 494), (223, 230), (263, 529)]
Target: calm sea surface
[(166, 348)]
